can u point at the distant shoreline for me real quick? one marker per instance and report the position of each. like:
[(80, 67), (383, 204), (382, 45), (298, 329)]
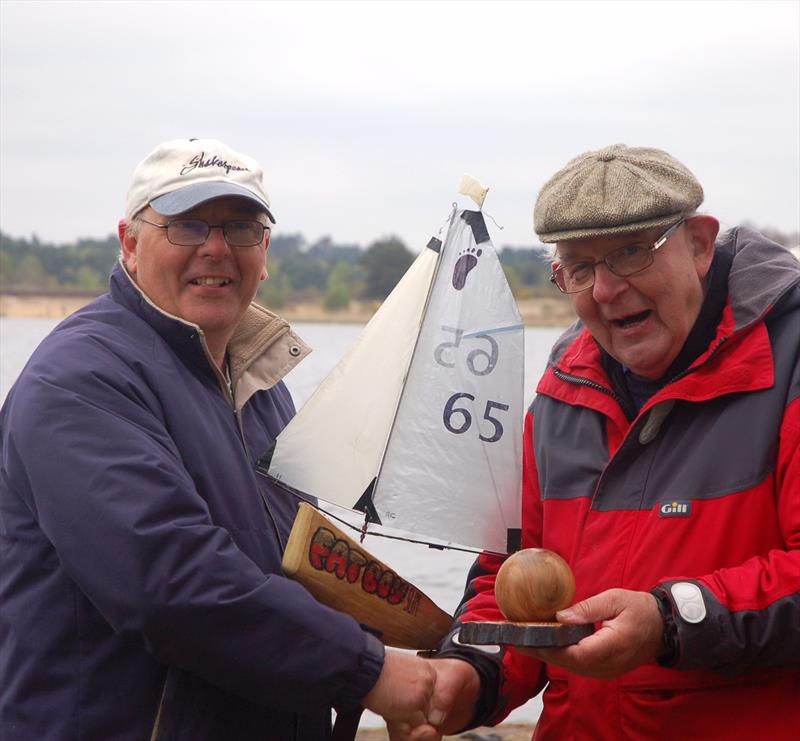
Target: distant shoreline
[(543, 312)]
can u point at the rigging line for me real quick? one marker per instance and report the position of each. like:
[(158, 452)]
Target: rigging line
[(438, 546), (448, 219), (495, 330), (377, 534), (492, 218)]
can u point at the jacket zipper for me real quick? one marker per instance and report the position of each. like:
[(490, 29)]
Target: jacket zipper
[(261, 493), (227, 390), (157, 721), (692, 369), (581, 381), (281, 546)]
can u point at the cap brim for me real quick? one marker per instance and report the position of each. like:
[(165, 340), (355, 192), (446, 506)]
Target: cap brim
[(183, 199)]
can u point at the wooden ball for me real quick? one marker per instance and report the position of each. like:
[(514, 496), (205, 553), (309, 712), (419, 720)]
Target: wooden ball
[(533, 584)]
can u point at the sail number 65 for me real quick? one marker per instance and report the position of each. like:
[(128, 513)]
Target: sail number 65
[(464, 419)]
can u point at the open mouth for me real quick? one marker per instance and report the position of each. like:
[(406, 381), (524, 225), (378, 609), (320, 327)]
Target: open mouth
[(210, 281), (631, 319)]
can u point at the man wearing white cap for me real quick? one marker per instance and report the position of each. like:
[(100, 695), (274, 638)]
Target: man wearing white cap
[(662, 461), (141, 593)]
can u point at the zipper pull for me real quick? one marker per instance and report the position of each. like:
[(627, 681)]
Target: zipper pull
[(654, 421)]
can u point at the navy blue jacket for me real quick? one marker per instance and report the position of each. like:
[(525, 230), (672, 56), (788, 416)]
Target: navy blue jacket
[(141, 593)]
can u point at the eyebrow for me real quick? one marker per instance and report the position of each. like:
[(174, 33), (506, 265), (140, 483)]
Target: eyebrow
[(571, 256)]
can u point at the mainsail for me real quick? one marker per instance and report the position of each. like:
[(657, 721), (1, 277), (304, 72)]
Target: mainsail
[(420, 423)]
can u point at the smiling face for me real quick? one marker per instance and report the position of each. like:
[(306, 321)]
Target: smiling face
[(644, 319), (211, 285)]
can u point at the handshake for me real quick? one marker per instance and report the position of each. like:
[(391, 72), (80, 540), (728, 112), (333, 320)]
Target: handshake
[(424, 699)]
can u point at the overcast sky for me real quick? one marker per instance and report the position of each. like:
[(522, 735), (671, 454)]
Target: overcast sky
[(365, 115)]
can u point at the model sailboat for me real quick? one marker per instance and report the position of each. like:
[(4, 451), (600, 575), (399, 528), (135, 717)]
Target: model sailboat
[(418, 426)]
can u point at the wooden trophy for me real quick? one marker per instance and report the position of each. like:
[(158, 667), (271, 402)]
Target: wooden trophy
[(531, 586)]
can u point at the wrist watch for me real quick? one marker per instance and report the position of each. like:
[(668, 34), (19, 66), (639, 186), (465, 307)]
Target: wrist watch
[(668, 654)]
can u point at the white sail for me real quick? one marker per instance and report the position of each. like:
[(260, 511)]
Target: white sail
[(332, 448), (452, 469), (429, 400)]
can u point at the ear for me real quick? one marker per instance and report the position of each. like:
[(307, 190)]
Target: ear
[(264, 273), (703, 230), (128, 243)]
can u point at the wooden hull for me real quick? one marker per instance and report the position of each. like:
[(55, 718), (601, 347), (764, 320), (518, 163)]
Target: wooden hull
[(342, 574)]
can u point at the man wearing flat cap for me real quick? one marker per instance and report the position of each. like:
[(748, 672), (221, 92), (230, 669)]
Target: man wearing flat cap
[(141, 591), (662, 461)]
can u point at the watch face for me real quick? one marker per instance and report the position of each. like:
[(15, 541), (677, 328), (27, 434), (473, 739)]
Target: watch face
[(689, 601)]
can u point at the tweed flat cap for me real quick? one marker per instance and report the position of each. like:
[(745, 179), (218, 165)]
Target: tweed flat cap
[(614, 190)]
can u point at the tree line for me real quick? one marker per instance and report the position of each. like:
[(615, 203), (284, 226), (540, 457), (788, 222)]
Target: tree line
[(323, 271), (320, 272)]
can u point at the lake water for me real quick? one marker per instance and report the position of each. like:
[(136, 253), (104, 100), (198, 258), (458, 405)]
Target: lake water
[(439, 574)]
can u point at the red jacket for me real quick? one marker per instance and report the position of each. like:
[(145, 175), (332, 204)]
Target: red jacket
[(703, 486)]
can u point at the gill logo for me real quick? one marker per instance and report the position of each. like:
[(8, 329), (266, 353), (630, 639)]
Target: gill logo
[(675, 509)]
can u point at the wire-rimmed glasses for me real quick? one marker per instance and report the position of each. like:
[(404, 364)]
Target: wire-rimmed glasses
[(575, 276), (194, 232)]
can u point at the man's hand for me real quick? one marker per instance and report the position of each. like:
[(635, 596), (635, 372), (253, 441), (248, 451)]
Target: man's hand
[(452, 706), (630, 635), (403, 694), (458, 688)]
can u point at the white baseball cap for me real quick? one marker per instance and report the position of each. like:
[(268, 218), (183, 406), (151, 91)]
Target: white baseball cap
[(183, 173)]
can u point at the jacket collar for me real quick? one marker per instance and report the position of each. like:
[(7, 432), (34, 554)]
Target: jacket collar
[(261, 352), (761, 273)]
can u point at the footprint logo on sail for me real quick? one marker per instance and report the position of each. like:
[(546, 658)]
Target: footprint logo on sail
[(467, 260)]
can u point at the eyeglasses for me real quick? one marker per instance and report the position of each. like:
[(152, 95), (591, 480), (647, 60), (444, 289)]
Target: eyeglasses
[(578, 275), (194, 232)]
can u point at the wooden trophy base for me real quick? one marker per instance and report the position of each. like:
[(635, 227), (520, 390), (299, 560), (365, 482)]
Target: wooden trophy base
[(531, 635)]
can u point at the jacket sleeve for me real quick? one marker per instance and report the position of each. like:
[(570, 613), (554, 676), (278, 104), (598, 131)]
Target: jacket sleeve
[(747, 616), (508, 679), (90, 455)]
